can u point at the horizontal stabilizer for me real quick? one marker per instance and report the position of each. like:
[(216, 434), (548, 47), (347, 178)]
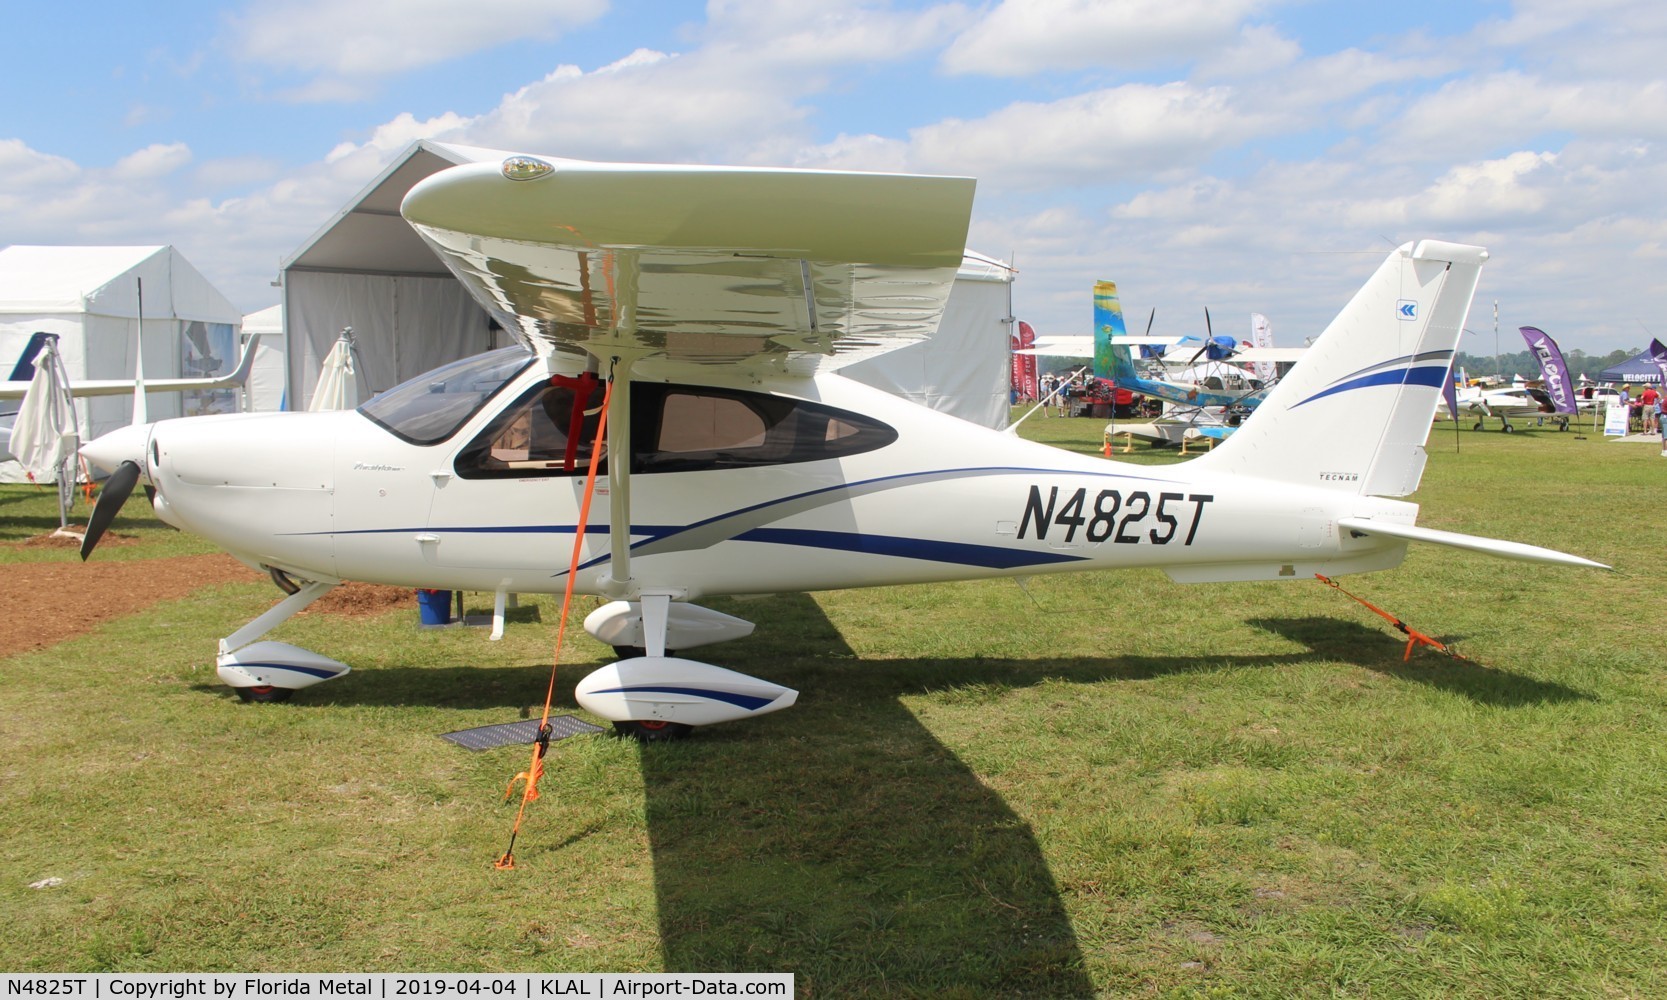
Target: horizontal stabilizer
[(1475, 543)]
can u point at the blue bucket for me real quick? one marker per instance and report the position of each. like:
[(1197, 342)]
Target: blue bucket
[(434, 607)]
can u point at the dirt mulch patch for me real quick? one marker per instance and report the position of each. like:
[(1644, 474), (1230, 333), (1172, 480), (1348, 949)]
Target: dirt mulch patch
[(364, 600), (46, 603), (53, 540)]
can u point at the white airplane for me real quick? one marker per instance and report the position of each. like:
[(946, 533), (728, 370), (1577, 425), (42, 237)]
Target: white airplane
[(1520, 401), (699, 314)]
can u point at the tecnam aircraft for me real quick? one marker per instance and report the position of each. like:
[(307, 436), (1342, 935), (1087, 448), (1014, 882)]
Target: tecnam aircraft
[(710, 308)]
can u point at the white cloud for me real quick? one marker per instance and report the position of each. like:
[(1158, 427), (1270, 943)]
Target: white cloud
[(1022, 37), (387, 139), (369, 39), (1104, 136), (647, 106), (1513, 106), (22, 168), (813, 35), (153, 161), (1469, 196)]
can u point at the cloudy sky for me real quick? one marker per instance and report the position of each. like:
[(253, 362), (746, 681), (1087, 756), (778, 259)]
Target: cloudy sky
[(1240, 155)]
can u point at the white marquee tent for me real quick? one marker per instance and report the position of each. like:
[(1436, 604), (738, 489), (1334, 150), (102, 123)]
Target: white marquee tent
[(265, 389), (368, 269), (90, 297)]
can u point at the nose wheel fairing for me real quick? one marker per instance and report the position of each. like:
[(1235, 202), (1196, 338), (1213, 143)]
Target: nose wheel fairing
[(267, 666)]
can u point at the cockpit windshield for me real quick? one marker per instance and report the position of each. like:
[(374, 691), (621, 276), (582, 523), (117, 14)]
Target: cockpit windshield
[(431, 407)]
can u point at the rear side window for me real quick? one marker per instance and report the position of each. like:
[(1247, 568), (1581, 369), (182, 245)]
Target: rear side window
[(699, 427)]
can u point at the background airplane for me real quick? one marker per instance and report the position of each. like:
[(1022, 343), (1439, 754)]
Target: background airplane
[(17, 384)]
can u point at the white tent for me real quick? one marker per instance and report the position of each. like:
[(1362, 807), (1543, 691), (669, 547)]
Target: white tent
[(265, 389), (964, 368), (369, 270), (89, 297)]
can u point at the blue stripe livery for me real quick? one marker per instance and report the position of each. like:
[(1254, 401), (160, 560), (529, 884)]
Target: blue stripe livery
[(751, 703)]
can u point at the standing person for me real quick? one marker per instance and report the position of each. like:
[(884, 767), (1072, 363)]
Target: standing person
[(1661, 420), (1649, 397)]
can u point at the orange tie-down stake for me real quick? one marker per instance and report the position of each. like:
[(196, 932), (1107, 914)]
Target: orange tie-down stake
[(1414, 637), (541, 746)]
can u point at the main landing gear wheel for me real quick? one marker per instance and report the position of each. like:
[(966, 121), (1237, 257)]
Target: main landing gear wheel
[(653, 730), (1508, 429), (264, 694)]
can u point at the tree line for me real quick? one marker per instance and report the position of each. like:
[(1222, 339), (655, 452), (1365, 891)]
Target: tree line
[(1523, 363)]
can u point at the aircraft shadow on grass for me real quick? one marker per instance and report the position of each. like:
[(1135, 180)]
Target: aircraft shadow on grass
[(764, 845)]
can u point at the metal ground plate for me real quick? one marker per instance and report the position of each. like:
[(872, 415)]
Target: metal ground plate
[(522, 733)]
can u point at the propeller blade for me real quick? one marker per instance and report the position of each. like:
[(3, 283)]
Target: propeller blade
[(115, 493)]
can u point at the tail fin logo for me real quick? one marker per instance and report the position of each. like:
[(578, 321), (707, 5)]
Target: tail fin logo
[(1406, 310)]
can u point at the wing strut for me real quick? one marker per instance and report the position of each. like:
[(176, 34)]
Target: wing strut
[(618, 406)]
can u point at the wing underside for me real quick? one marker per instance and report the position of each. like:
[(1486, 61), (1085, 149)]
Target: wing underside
[(812, 269)]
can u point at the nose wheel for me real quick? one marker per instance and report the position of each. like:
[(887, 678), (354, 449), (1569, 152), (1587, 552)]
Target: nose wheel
[(653, 730), (264, 694)]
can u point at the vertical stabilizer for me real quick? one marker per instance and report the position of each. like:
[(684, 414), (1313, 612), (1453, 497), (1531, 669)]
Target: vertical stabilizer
[(1111, 360), (24, 370), (1355, 411)]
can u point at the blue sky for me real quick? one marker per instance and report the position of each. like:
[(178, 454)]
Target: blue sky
[(1240, 155)]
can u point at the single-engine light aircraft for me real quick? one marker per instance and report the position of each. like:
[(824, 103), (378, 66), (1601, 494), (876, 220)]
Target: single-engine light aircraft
[(704, 312)]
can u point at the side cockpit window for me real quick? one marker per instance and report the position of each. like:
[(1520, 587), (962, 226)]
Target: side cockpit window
[(548, 430), (676, 428)]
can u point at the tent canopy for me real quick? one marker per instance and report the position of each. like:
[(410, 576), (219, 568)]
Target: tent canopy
[(104, 281), (89, 297), (1638, 368)]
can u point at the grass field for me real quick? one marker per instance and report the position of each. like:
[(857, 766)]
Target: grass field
[(1086, 785)]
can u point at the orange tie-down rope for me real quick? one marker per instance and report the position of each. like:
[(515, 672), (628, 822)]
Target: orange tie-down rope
[(541, 745), (1415, 638)]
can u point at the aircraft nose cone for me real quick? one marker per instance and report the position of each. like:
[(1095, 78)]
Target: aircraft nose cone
[(124, 444)]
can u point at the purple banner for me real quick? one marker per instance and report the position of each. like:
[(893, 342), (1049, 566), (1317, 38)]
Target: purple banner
[(1557, 382), (1451, 393)]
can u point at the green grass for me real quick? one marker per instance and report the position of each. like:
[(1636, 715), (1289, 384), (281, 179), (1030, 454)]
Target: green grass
[(1103, 784)]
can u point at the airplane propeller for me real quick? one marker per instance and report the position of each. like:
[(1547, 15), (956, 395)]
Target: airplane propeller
[(1209, 338), (115, 493)]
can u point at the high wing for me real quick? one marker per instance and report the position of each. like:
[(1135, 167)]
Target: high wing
[(1081, 346), (1253, 355), (124, 386), (811, 269)]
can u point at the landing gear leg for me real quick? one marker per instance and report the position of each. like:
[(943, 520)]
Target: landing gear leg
[(272, 671)]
